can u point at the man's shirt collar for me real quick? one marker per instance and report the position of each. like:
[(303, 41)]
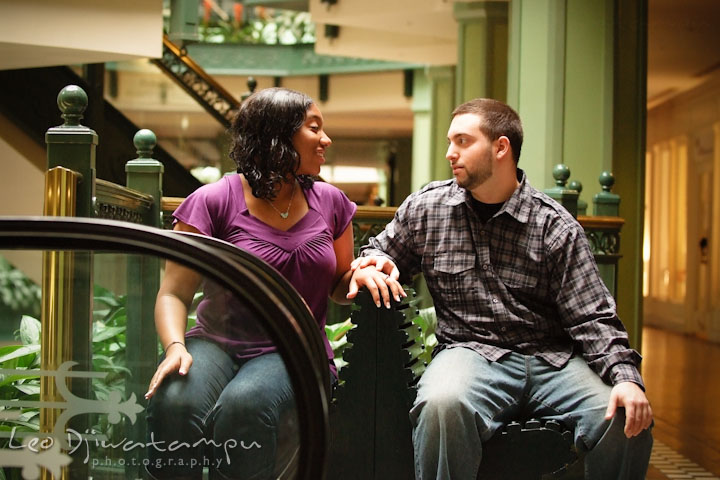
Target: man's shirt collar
[(517, 206)]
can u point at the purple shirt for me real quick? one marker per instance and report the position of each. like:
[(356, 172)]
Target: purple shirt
[(304, 255)]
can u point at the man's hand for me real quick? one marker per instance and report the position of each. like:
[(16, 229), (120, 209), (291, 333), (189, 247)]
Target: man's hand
[(382, 264), (638, 413), (379, 275)]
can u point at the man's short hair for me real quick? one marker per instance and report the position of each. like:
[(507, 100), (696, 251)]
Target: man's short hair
[(496, 119)]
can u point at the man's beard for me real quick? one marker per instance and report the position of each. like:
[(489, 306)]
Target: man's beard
[(480, 175)]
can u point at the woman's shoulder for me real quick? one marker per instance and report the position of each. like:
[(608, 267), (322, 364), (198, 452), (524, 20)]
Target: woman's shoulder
[(322, 187), (219, 187), (216, 196), (326, 191)]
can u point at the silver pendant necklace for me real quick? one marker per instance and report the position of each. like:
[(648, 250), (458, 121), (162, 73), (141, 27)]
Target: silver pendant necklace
[(285, 214)]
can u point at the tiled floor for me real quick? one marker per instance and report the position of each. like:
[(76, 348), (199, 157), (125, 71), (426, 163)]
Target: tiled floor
[(682, 376)]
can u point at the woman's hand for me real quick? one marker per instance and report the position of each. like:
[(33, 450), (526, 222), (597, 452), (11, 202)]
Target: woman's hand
[(370, 272), (177, 359)]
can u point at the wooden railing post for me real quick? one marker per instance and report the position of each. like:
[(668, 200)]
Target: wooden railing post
[(68, 276), (72, 146), (581, 204), (606, 203), (144, 174), (564, 196)]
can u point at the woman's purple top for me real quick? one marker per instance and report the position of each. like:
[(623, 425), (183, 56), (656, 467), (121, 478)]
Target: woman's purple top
[(304, 255)]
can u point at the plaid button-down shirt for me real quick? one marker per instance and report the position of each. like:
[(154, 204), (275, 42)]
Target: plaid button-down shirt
[(525, 281)]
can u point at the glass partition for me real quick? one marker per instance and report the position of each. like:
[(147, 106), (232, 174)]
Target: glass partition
[(73, 379)]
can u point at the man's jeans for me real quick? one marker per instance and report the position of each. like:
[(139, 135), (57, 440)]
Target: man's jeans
[(225, 414), (463, 399)]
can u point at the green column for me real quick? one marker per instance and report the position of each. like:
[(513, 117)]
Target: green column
[(628, 154), (576, 75), (588, 99), (432, 106), (536, 83), (482, 50)]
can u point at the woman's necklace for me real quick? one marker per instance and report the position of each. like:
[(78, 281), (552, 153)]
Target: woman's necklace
[(285, 214)]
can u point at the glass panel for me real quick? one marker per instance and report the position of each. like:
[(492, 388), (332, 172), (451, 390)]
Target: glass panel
[(232, 412)]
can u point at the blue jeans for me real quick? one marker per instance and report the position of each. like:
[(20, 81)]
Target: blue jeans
[(463, 399), (233, 417)]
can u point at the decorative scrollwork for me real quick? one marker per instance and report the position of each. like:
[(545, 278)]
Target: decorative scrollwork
[(117, 212), (603, 242)]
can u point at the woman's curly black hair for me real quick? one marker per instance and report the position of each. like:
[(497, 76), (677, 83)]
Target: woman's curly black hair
[(262, 133)]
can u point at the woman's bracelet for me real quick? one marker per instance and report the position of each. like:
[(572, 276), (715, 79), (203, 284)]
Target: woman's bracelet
[(173, 343)]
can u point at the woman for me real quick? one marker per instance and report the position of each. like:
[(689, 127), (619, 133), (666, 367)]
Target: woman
[(221, 388)]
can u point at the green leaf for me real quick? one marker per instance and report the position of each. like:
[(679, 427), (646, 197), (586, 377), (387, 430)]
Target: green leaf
[(337, 331), (17, 352), (29, 330), (103, 333), (29, 389), (24, 426), (105, 296)]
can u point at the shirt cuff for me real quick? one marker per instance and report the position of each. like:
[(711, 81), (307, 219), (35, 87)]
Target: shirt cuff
[(625, 372)]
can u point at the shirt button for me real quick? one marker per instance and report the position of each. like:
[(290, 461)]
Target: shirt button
[(485, 267), (502, 329), (495, 300)]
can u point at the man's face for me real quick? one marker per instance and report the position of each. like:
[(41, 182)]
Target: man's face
[(470, 152)]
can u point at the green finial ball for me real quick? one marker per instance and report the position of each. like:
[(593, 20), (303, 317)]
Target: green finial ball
[(607, 180), (145, 141), (560, 173), (72, 102), (575, 185)]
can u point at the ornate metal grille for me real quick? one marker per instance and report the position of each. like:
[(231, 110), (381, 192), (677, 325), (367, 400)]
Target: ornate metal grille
[(191, 77)]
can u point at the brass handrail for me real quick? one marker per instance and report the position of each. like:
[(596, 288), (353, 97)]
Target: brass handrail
[(57, 297)]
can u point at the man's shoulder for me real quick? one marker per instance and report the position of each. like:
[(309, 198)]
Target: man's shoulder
[(431, 195), (436, 189), (549, 206), (436, 184), (551, 216)]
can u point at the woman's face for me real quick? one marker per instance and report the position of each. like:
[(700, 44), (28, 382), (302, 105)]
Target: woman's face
[(310, 142)]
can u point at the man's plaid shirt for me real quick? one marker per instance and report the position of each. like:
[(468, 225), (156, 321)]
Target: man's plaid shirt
[(526, 281)]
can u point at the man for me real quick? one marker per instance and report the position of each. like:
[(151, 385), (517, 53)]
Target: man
[(526, 327)]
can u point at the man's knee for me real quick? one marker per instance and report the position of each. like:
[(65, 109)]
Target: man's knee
[(614, 438), (441, 403)]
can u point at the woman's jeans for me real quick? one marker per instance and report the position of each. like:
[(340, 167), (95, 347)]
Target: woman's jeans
[(226, 415), (463, 399)]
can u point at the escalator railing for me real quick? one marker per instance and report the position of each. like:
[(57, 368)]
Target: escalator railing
[(280, 310)]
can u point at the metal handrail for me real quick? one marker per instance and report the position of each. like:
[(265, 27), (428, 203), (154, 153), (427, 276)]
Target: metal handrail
[(292, 328)]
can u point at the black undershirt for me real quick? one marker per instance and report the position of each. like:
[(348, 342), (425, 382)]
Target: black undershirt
[(486, 210)]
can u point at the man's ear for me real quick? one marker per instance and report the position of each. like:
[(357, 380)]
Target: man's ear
[(502, 144)]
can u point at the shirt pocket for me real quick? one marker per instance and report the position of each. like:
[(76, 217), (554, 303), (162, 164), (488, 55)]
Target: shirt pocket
[(454, 273), (523, 276)]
